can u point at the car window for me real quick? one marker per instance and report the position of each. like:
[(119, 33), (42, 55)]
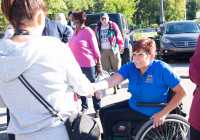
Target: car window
[(126, 23), (93, 21), (183, 27), (123, 22)]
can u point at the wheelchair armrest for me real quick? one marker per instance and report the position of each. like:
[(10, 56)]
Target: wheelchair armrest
[(185, 77), (151, 104)]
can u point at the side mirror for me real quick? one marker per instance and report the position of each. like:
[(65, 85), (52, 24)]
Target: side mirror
[(159, 33)]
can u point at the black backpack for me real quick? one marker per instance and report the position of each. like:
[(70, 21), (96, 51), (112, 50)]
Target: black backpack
[(82, 127)]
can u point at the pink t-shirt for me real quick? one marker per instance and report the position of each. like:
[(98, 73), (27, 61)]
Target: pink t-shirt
[(84, 47)]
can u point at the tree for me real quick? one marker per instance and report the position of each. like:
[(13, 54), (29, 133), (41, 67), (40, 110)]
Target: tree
[(197, 3), (173, 10), (191, 10), (55, 7), (147, 11), (96, 8), (79, 5), (126, 7), (3, 21)]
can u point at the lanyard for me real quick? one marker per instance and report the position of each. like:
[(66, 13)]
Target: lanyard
[(21, 32)]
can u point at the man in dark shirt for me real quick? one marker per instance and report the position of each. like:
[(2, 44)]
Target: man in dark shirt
[(70, 23), (56, 29)]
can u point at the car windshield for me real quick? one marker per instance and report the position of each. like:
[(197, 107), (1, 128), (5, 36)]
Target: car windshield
[(93, 21), (183, 27)]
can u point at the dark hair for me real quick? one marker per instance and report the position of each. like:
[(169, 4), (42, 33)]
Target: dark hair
[(70, 12), (80, 15), (148, 45), (22, 12)]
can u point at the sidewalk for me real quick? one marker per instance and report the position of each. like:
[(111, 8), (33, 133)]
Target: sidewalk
[(121, 95)]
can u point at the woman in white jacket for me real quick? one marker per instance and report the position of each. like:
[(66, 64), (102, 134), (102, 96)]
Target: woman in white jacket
[(47, 64)]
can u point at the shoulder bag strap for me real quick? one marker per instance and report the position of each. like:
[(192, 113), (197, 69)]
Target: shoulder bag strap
[(40, 98)]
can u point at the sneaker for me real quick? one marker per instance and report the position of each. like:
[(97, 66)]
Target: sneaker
[(97, 114), (84, 110)]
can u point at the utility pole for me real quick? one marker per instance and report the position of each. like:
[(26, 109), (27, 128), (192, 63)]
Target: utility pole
[(185, 8), (161, 16)]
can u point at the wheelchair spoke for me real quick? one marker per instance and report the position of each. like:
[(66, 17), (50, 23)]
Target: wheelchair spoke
[(155, 134), (176, 135), (149, 137), (162, 131), (181, 128), (159, 133), (175, 128), (166, 132)]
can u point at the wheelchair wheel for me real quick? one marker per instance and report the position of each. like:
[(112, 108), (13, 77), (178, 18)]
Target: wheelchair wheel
[(175, 127)]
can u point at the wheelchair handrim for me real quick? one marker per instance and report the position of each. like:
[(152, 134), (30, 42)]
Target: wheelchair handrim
[(168, 120)]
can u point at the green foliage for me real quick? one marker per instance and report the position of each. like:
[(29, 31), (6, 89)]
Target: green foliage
[(191, 9), (96, 8), (198, 21), (197, 3), (126, 7), (79, 5), (173, 10), (156, 36), (55, 7), (141, 35), (3, 22), (146, 10), (140, 26), (150, 11)]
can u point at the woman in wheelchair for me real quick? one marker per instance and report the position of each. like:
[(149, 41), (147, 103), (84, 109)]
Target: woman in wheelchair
[(149, 81)]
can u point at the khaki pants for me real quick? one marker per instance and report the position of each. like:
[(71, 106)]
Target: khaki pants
[(108, 59)]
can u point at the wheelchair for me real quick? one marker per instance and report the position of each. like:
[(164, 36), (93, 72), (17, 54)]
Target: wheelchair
[(175, 126)]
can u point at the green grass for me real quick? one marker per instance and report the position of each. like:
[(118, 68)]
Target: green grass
[(139, 36)]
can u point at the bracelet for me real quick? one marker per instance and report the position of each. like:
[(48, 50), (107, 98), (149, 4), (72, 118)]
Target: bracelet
[(99, 65)]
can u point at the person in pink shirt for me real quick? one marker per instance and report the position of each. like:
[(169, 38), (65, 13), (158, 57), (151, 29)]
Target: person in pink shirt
[(83, 45), (194, 73)]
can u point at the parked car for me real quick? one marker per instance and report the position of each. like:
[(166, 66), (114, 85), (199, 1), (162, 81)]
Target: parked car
[(121, 20), (178, 39)]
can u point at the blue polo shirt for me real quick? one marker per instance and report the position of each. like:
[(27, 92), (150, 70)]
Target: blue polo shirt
[(153, 86)]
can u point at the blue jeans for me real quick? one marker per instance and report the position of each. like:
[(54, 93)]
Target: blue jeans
[(90, 74)]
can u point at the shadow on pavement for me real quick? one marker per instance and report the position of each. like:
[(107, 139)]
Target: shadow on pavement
[(124, 85), (3, 114), (3, 127), (91, 115)]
